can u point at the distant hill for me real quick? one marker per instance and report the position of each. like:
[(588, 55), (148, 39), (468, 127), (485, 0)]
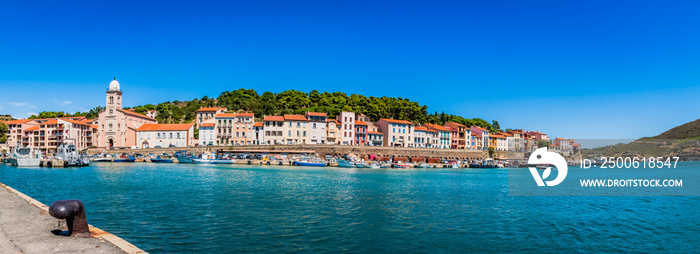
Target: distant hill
[(682, 141), (688, 130)]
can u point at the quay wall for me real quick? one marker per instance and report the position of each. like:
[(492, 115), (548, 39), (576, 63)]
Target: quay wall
[(335, 150)]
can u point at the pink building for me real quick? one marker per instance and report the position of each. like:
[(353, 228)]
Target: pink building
[(361, 133), (347, 127), (117, 127)]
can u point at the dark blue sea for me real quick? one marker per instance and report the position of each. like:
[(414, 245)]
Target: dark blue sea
[(178, 208)]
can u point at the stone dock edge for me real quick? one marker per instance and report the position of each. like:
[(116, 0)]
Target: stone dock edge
[(96, 232)]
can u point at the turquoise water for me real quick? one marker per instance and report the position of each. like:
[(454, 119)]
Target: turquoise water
[(174, 208)]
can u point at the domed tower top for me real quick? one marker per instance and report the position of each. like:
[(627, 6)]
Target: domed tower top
[(114, 85)]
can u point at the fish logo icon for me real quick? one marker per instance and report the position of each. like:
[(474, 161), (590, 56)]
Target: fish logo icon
[(542, 156)]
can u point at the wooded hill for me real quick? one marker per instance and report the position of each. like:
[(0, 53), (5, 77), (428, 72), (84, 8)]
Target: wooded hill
[(297, 102)]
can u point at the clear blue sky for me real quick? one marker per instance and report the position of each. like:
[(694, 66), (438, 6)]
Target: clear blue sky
[(577, 69)]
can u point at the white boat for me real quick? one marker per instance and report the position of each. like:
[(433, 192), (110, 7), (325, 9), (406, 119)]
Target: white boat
[(69, 154), (25, 157), (374, 165)]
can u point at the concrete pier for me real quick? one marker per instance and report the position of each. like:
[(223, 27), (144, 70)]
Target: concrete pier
[(25, 227)]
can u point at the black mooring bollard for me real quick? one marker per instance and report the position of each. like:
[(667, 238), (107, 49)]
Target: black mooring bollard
[(73, 212)]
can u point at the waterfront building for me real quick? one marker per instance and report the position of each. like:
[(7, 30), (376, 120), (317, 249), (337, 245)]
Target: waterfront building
[(207, 132), (258, 133), (444, 135), (296, 130), (224, 128), (15, 131), (243, 129), (333, 132), (360, 133), (317, 127), (538, 135), (117, 127), (477, 141), (397, 133), (454, 137), (204, 114), (347, 127), (510, 141), (370, 125), (564, 145), (462, 135), (274, 130), (484, 136), (421, 137), (375, 138), (498, 142), (165, 135), (519, 141)]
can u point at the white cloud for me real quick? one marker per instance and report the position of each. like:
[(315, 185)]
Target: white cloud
[(21, 104), (63, 103), (32, 114)]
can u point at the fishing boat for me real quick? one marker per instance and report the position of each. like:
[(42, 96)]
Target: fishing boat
[(374, 165), (25, 157), (125, 158), (487, 163), (205, 159), (360, 165), (70, 157), (162, 159), (183, 157), (400, 165), (422, 165), (309, 164), (345, 164)]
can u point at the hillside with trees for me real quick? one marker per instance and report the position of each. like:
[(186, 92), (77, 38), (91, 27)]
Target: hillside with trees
[(297, 102)]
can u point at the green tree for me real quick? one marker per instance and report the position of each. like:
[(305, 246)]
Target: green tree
[(542, 143), (3, 132), (491, 151)]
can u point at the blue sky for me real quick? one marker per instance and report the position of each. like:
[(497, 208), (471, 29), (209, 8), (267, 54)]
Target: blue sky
[(578, 69)]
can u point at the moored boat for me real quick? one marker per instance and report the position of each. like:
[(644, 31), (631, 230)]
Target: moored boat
[(400, 165), (25, 157), (345, 164), (309, 164)]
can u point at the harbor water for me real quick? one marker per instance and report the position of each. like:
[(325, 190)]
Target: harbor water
[(177, 208)]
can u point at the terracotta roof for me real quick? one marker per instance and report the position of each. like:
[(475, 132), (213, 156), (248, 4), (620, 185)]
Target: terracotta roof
[(560, 139), (246, 114), (135, 114), (479, 128), (476, 134), (333, 120), (274, 118), (456, 124), (74, 121), (294, 118), (18, 121), (49, 122), (258, 124), (436, 127), (164, 127), (496, 136), (225, 115), (33, 128), (577, 144), (316, 114), (207, 125), (396, 121), (210, 109), (375, 132), (450, 128), (554, 145), (360, 123), (94, 126), (506, 134), (421, 128)]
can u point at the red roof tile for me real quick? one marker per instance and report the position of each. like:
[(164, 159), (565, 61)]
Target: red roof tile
[(258, 124), (396, 121), (316, 114), (225, 115), (294, 118), (246, 114), (375, 132), (33, 128), (274, 118), (210, 109), (360, 123)]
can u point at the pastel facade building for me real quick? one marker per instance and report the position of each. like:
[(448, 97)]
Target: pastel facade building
[(333, 131), (565, 145), (463, 134), (444, 135), (225, 123), (317, 127), (296, 130), (16, 132), (347, 127), (361, 133), (421, 138), (274, 130), (454, 137), (117, 127), (165, 135), (243, 129), (259, 133), (204, 114), (207, 132), (484, 133), (397, 133), (375, 138)]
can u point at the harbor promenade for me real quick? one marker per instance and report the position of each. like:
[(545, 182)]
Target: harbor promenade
[(25, 227)]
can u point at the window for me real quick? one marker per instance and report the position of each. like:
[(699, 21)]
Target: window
[(297, 133), (298, 124), (313, 125), (289, 134), (304, 133)]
